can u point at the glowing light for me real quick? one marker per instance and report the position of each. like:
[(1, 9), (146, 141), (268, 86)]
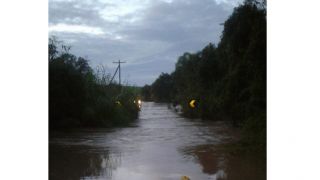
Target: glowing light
[(185, 178), (192, 103), (118, 103)]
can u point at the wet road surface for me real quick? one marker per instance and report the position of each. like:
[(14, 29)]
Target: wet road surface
[(160, 145)]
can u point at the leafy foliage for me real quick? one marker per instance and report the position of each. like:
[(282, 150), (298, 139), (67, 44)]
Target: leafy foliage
[(79, 97), (228, 80), (146, 93), (162, 87)]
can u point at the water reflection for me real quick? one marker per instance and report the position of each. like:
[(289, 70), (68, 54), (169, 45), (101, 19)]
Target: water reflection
[(221, 164), (160, 145), (81, 162)]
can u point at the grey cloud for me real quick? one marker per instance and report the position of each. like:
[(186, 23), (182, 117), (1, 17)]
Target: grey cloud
[(151, 44), (76, 12), (179, 21)]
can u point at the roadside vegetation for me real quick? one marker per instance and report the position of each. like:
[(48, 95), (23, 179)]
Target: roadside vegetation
[(227, 80), (82, 97)]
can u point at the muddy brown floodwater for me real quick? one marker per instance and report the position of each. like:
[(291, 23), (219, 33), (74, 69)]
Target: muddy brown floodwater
[(160, 145)]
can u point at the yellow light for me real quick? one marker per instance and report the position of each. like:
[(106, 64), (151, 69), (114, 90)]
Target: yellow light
[(185, 178), (192, 103), (139, 101)]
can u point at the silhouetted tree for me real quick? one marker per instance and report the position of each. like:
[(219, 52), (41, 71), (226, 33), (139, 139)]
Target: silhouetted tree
[(78, 97), (146, 93), (228, 80), (162, 88)]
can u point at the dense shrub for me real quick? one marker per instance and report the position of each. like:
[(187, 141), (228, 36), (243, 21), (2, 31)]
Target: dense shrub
[(78, 97), (229, 80)]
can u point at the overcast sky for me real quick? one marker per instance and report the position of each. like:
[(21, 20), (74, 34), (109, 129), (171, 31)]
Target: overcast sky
[(148, 34)]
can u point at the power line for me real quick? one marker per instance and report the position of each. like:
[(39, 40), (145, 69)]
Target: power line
[(118, 68)]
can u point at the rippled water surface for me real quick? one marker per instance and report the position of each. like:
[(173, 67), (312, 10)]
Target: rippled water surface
[(160, 145)]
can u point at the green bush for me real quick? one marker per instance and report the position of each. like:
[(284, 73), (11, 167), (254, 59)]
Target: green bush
[(80, 98), (229, 80)]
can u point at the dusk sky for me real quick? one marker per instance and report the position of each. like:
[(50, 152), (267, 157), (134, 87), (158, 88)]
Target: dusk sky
[(149, 35)]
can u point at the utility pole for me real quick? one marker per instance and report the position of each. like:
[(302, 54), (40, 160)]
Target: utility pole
[(119, 67)]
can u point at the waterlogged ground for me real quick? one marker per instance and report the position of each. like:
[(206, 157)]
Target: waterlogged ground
[(160, 145)]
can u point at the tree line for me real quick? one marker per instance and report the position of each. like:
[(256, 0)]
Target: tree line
[(82, 97), (228, 80)]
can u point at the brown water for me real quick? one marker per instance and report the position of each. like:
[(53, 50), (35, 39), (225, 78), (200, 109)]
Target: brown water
[(160, 145)]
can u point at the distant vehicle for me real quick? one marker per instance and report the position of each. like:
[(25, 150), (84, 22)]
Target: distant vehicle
[(138, 102)]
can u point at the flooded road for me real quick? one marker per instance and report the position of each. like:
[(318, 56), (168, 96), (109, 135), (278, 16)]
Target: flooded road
[(160, 145)]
